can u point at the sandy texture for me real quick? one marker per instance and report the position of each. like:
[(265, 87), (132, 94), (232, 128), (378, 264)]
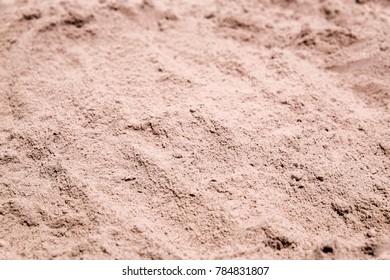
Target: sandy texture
[(194, 129)]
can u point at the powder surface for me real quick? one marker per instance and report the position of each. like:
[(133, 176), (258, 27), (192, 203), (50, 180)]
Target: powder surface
[(193, 129)]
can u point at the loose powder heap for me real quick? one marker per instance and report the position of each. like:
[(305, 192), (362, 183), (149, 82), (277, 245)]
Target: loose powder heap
[(193, 129)]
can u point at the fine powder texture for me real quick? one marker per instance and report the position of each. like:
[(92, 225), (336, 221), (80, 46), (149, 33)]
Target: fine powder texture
[(191, 129)]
